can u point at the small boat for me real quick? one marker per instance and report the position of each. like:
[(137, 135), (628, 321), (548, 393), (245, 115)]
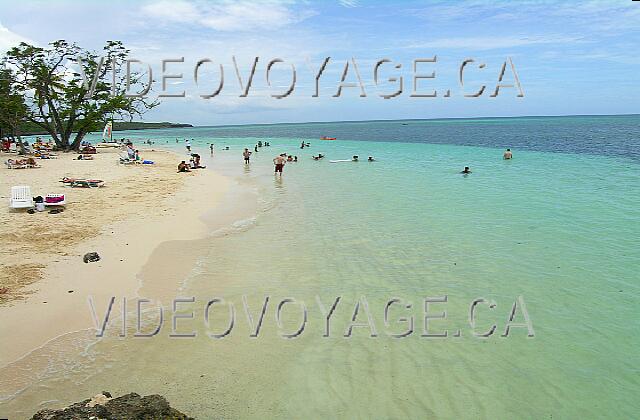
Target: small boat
[(106, 145), (327, 138)]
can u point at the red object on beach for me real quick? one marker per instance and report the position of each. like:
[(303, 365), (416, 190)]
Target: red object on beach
[(327, 138), (52, 199)]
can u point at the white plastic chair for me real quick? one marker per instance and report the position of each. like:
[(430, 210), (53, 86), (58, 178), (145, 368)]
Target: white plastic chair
[(21, 197)]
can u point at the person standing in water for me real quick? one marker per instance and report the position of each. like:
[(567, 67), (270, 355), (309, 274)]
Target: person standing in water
[(246, 154), (466, 170), (279, 162), (507, 155), (212, 148), (187, 143)]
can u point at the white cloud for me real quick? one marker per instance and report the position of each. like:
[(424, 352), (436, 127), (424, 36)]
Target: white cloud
[(175, 11), (497, 42), (227, 15), (605, 16), (349, 3), (10, 39)]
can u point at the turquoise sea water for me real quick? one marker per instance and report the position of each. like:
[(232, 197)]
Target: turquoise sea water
[(556, 227)]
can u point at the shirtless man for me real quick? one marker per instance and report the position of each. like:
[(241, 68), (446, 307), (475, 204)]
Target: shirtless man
[(279, 161), (247, 155), (507, 154)]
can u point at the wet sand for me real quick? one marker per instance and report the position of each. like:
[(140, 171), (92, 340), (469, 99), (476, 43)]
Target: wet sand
[(133, 222)]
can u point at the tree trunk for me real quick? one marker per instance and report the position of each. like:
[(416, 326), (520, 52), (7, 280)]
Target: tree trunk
[(76, 142), (21, 150)]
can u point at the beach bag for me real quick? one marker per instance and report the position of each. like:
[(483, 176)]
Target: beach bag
[(53, 200)]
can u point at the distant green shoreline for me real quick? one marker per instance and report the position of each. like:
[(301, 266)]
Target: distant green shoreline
[(30, 129)]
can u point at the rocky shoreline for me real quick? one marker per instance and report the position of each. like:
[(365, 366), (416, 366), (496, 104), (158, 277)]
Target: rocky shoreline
[(127, 407)]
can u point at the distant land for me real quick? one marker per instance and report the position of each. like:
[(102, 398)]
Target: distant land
[(123, 125), (29, 129)]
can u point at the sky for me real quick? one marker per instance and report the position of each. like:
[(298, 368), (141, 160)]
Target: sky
[(570, 57)]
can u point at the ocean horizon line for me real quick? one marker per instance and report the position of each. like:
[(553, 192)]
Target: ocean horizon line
[(414, 120)]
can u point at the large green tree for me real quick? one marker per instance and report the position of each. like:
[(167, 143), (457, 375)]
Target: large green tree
[(12, 107), (57, 85)]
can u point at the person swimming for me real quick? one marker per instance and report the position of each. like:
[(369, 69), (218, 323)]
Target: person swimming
[(466, 170), (371, 159), (354, 158), (507, 155)]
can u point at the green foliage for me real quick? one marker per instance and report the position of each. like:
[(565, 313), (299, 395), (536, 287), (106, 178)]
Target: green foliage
[(12, 106), (60, 101)]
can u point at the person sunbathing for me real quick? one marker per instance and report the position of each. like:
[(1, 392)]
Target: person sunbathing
[(23, 162), (183, 167)]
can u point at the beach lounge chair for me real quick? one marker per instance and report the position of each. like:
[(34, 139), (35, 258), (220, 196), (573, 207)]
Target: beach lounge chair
[(126, 159), (87, 183), (55, 200), (14, 164), (21, 197)]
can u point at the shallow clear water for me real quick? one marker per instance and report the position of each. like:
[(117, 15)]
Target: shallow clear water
[(560, 230)]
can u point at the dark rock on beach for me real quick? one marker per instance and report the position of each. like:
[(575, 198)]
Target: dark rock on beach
[(127, 407), (91, 257)]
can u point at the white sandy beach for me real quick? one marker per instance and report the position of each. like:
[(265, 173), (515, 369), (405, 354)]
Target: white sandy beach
[(44, 279)]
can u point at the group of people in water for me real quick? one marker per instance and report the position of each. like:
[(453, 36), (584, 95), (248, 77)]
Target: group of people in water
[(356, 158), (283, 158)]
